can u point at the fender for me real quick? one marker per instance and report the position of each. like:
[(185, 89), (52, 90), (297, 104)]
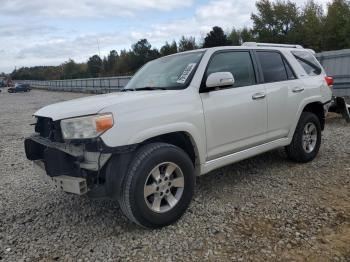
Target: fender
[(303, 104), (188, 128)]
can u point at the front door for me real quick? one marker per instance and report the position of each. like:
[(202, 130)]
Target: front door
[(236, 116)]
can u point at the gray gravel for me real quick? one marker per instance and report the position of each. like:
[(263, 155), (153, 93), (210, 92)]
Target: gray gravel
[(261, 209)]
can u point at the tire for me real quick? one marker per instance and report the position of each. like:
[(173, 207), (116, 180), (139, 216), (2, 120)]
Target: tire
[(144, 210), (298, 150)]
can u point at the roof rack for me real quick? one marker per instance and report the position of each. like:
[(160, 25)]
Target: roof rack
[(271, 45)]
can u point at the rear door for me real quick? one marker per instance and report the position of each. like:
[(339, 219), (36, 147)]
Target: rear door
[(284, 92), (236, 116)]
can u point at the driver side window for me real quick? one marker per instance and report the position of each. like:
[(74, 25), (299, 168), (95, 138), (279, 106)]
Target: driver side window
[(239, 63)]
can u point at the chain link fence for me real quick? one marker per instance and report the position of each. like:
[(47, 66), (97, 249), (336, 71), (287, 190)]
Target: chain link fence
[(90, 85)]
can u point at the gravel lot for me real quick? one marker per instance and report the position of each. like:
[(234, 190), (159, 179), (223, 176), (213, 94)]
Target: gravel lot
[(261, 209)]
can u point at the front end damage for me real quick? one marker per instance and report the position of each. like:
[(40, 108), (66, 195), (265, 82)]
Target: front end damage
[(73, 166)]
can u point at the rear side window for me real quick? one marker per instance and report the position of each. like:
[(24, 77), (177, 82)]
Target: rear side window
[(308, 62), (239, 63), (272, 66)]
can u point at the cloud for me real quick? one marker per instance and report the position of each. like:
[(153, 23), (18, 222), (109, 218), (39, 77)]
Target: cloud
[(48, 32), (24, 30), (81, 46), (87, 8), (223, 13)]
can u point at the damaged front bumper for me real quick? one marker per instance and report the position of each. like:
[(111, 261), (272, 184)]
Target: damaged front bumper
[(73, 168), (69, 184)]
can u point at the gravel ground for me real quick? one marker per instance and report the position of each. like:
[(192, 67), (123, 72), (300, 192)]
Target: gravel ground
[(261, 209)]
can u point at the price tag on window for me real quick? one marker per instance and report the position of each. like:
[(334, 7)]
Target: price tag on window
[(186, 73)]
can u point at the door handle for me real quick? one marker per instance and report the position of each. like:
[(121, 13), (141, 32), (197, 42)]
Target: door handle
[(298, 89), (258, 96)]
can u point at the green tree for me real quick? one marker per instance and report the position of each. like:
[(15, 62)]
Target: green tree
[(94, 66), (142, 53), (310, 30), (124, 66), (112, 61), (70, 70), (234, 37), (168, 49), (247, 35), (216, 37), (237, 37), (104, 69), (337, 26), (187, 44), (275, 22)]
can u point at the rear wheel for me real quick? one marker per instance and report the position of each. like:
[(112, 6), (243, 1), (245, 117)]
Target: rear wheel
[(159, 185), (306, 140)]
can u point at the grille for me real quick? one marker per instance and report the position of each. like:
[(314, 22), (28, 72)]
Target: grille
[(48, 128)]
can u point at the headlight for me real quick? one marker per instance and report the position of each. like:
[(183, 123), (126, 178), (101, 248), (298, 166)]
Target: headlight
[(86, 127)]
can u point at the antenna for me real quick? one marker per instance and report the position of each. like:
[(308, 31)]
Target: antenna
[(98, 47)]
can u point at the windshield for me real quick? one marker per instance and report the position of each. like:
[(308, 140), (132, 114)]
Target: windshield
[(171, 72)]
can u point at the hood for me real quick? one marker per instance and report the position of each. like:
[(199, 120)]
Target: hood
[(93, 104)]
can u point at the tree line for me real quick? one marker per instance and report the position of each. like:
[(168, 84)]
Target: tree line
[(274, 22)]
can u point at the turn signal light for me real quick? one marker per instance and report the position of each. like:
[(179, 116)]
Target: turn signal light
[(104, 122)]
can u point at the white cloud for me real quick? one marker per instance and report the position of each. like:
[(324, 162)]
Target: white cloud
[(223, 13), (87, 8), (29, 42), (226, 13)]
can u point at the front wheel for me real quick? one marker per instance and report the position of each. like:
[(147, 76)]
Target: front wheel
[(306, 140), (159, 185)]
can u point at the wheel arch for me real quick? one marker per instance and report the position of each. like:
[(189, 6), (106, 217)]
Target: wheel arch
[(318, 110), (183, 140)]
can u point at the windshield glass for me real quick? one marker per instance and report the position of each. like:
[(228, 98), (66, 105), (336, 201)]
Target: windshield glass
[(172, 72)]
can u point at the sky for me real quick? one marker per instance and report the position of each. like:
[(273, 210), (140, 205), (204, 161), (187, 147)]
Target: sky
[(49, 32)]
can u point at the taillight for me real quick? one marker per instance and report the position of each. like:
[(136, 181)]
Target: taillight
[(329, 81)]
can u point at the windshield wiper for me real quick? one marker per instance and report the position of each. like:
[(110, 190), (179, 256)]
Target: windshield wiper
[(142, 89), (149, 88), (126, 90)]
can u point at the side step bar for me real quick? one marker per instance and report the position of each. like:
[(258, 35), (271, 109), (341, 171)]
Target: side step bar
[(69, 184)]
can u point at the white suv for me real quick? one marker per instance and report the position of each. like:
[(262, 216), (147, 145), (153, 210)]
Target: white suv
[(179, 117)]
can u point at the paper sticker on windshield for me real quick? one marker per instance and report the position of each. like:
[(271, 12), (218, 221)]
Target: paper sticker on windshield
[(188, 70)]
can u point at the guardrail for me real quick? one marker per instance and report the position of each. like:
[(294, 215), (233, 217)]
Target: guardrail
[(90, 85)]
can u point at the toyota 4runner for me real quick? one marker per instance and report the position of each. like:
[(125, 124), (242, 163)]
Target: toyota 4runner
[(179, 117)]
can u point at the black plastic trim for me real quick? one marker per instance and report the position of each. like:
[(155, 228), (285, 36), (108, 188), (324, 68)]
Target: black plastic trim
[(329, 101), (98, 145)]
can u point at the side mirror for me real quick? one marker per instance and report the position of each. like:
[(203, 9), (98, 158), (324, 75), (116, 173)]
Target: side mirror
[(220, 79)]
